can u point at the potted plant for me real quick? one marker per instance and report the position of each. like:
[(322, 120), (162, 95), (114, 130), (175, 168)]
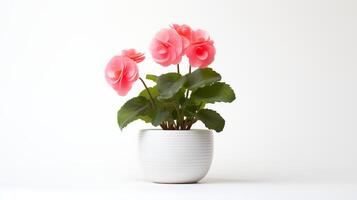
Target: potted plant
[(176, 153)]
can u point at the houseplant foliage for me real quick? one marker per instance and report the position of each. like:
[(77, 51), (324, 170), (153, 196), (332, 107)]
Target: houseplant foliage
[(173, 101)]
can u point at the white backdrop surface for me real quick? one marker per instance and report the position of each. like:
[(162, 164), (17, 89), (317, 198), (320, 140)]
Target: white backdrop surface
[(291, 63)]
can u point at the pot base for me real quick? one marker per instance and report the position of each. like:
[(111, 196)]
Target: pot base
[(175, 182), (175, 156)]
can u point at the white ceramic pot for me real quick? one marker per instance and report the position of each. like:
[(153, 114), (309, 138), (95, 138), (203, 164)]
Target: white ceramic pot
[(175, 156)]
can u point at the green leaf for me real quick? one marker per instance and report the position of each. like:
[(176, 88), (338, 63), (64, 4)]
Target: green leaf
[(169, 84), (153, 91), (160, 116), (146, 118), (152, 77), (201, 77), (191, 106), (211, 119), (217, 92), (177, 97), (132, 110)]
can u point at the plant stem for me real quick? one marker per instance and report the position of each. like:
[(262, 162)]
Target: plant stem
[(162, 126), (147, 89), (178, 68), (199, 106), (189, 71), (178, 121)]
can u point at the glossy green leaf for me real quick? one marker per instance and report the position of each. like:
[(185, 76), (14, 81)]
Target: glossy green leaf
[(153, 91), (160, 116), (217, 92), (169, 84), (191, 106), (201, 77), (132, 110), (211, 119), (152, 77)]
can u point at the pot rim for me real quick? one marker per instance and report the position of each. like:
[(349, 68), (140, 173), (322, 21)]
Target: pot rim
[(191, 131)]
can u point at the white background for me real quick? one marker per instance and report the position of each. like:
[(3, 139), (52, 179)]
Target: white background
[(291, 63)]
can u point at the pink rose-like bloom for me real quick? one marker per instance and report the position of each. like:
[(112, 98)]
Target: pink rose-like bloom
[(185, 32), (167, 47), (121, 72), (201, 52), (132, 54)]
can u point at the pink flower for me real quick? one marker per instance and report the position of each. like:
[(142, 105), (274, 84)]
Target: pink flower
[(132, 54), (167, 47), (185, 32), (121, 72), (201, 52)]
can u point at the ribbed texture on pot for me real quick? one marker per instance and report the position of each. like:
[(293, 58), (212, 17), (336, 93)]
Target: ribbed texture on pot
[(171, 156)]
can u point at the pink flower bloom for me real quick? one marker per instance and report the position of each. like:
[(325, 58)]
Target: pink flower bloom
[(200, 36), (201, 52), (185, 32), (121, 72), (132, 54), (167, 47)]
